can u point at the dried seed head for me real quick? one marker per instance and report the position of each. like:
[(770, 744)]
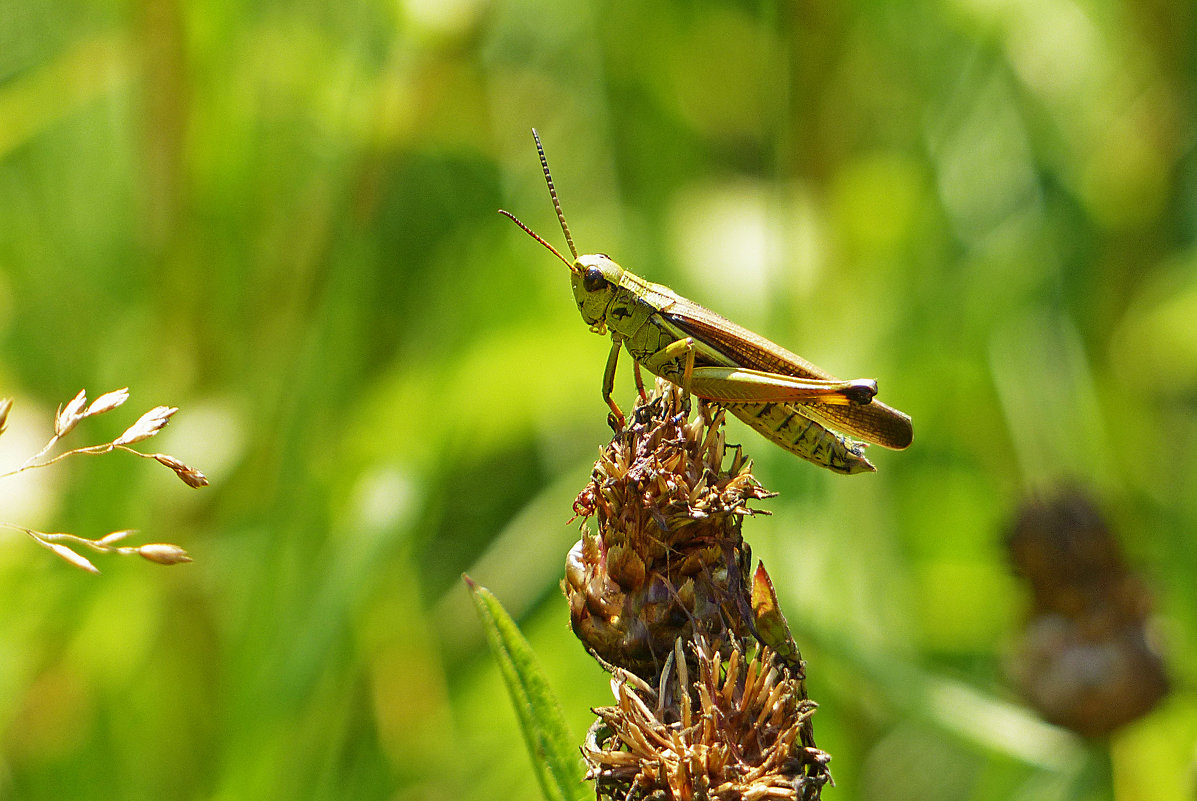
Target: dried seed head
[(107, 402), (169, 461), (659, 593), (69, 416), (667, 559), (147, 425), (189, 476), (1088, 609), (736, 732), (68, 555), (192, 478), (164, 553), (116, 536)]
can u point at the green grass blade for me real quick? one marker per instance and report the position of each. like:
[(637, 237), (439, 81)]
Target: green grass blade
[(555, 757)]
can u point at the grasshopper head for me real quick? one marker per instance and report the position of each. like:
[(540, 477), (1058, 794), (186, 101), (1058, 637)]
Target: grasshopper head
[(595, 278)]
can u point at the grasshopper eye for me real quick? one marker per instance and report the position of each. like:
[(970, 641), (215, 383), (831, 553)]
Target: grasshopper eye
[(593, 280)]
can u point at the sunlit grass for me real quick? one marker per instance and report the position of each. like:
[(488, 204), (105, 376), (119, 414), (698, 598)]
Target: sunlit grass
[(283, 219)]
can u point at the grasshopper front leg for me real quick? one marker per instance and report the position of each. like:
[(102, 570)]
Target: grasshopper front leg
[(609, 381), (618, 419)]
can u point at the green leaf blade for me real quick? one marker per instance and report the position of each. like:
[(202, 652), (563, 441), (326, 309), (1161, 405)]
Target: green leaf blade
[(554, 756)]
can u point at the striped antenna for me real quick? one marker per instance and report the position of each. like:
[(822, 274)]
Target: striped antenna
[(537, 237), (548, 177)]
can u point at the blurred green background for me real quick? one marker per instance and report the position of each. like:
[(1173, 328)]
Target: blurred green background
[(280, 216)]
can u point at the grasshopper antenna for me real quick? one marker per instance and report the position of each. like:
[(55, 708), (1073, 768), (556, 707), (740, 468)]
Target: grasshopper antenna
[(537, 237), (548, 177)]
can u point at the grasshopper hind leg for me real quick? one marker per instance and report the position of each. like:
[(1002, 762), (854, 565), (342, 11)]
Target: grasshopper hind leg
[(786, 425)]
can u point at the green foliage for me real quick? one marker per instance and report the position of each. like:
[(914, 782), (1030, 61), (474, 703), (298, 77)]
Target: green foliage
[(280, 218), (554, 756)]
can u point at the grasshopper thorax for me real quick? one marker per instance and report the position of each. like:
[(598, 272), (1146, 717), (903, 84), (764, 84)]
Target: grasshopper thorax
[(595, 279)]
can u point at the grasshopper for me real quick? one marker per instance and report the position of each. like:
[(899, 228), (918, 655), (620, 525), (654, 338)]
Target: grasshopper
[(779, 394)]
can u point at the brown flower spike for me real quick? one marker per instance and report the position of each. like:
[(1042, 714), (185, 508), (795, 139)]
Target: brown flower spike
[(1085, 658), (736, 733), (667, 559), (660, 592)]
